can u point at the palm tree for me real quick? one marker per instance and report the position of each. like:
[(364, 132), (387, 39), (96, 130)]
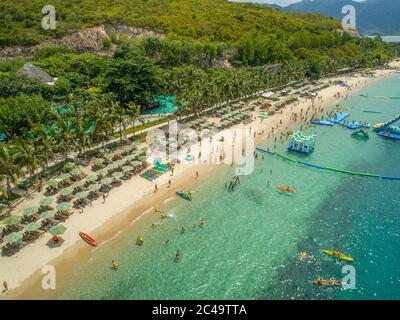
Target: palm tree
[(118, 113), (44, 142), (66, 134), (27, 155), (10, 169), (99, 114), (134, 114)]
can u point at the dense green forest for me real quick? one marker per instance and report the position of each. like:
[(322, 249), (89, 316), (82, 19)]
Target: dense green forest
[(207, 20), (100, 94)]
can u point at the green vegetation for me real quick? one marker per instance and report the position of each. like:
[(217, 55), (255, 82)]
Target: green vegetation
[(96, 96)]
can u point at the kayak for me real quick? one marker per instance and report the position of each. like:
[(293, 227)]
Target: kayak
[(338, 254), (88, 239), (184, 196), (327, 282), (285, 189)]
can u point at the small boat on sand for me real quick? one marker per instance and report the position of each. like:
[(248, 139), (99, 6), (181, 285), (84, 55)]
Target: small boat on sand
[(327, 282), (88, 239), (338, 254), (286, 189)]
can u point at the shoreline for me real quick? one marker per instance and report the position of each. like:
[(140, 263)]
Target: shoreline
[(124, 207)]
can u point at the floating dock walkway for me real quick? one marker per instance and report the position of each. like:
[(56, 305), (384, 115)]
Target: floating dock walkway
[(362, 174)]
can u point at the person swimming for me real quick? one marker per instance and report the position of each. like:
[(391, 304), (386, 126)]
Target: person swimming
[(115, 264), (183, 229), (202, 221)]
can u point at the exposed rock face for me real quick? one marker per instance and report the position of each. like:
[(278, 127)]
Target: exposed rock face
[(87, 40), (91, 40)]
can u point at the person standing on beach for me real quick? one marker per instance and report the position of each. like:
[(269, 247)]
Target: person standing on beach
[(5, 285), (197, 174), (169, 183), (155, 188), (104, 198)]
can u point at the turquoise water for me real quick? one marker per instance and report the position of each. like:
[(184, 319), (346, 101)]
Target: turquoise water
[(248, 248)]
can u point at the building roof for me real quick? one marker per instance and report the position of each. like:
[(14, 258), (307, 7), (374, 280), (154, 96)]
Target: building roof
[(36, 73)]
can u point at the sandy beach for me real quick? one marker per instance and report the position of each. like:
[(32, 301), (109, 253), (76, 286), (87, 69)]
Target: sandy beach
[(136, 198)]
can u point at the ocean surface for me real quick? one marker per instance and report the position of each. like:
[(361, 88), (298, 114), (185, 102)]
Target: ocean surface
[(250, 243)]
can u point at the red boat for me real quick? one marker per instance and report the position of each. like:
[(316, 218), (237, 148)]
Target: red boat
[(88, 239)]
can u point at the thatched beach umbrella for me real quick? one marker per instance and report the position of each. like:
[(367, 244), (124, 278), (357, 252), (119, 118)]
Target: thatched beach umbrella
[(95, 187), (31, 211), (106, 181), (112, 166), (82, 195), (127, 168), (45, 202), (64, 176), (66, 191), (120, 163), (76, 172), (12, 220), (117, 175), (63, 206), (108, 156), (48, 214), (102, 172), (79, 184), (13, 237), (69, 165), (53, 183), (99, 161), (92, 178), (58, 230), (33, 226)]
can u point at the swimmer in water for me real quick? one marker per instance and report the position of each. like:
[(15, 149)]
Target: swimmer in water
[(177, 254), (183, 230)]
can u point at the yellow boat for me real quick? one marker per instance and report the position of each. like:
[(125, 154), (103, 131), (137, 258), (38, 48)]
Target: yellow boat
[(338, 254)]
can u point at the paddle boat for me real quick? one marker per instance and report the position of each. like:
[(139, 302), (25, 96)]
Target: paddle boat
[(88, 239), (338, 254), (186, 196)]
